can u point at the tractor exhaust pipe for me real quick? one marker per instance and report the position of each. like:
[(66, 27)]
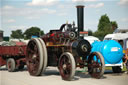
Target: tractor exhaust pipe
[(80, 19)]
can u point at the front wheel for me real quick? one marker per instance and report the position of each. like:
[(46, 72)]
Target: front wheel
[(96, 65), (67, 66)]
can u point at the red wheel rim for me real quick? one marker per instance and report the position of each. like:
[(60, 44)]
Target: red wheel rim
[(65, 67), (9, 65), (95, 66), (32, 58)]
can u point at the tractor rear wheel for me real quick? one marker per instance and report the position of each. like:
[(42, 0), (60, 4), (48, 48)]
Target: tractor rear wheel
[(45, 60), (67, 66), (96, 65), (11, 65), (35, 57)]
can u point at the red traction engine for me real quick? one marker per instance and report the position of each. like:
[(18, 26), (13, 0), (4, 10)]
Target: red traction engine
[(65, 49)]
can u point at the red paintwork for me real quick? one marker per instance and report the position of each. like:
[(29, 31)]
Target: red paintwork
[(2, 61), (84, 32), (11, 52), (23, 60), (20, 43)]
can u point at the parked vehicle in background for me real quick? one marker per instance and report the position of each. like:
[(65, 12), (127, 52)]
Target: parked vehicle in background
[(121, 31), (12, 54), (122, 38), (91, 39), (110, 49)]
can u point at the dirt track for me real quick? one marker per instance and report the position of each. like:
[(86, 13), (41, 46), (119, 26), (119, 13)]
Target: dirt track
[(52, 77)]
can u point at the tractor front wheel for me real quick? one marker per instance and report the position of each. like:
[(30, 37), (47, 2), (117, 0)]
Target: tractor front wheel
[(67, 66)]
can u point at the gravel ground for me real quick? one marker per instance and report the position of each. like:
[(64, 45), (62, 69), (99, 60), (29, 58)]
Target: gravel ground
[(52, 77)]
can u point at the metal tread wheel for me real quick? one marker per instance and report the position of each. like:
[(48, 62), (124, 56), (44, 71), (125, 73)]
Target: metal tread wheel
[(35, 57), (96, 65), (44, 54), (67, 66), (11, 65)]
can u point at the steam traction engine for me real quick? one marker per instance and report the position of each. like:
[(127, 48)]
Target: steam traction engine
[(66, 49)]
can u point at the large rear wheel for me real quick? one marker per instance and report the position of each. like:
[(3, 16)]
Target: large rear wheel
[(35, 57), (96, 65), (67, 66)]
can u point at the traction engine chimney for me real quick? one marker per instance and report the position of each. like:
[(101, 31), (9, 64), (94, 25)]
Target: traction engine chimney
[(80, 19)]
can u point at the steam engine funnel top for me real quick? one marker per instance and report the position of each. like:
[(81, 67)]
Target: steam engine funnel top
[(80, 18)]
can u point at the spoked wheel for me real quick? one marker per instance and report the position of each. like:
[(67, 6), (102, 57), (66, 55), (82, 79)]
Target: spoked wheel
[(35, 57), (11, 65), (96, 65), (67, 66)]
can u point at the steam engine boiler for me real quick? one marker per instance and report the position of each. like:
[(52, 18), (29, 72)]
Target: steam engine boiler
[(65, 49)]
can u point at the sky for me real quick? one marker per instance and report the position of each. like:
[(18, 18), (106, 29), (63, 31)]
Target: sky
[(51, 14)]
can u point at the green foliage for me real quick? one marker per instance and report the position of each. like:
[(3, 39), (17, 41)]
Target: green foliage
[(114, 25), (105, 27), (104, 21), (90, 32), (17, 34), (33, 31)]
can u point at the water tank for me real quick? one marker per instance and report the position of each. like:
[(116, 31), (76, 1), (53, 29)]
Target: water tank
[(110, 49)]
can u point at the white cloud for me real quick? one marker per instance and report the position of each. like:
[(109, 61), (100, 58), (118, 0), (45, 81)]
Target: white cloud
[(124, 19), (42, 2), (95, 5), (7, 7), (30, 13), (33, 17), (18, 27), (123, 2), (10, 21), (48, 11), (62, 14)]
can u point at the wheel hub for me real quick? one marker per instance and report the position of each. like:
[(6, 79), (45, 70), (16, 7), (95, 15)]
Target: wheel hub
[(34, 56), (64, 66)]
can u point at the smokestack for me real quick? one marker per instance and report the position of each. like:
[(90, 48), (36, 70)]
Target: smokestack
[(80, 19)]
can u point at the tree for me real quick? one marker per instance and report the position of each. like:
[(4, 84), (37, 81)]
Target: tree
[(103, 22), (90, 32), (105, 26), (114, 25), (33, 31), (17, 34)]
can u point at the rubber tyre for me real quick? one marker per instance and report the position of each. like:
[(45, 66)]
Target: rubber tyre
[(40, 49), (116, 69), (11, 65), (73, 66), (103, 64), (45, 57)]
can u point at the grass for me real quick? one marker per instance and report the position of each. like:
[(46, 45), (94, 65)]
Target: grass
[(110, 68), (106, 68)]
